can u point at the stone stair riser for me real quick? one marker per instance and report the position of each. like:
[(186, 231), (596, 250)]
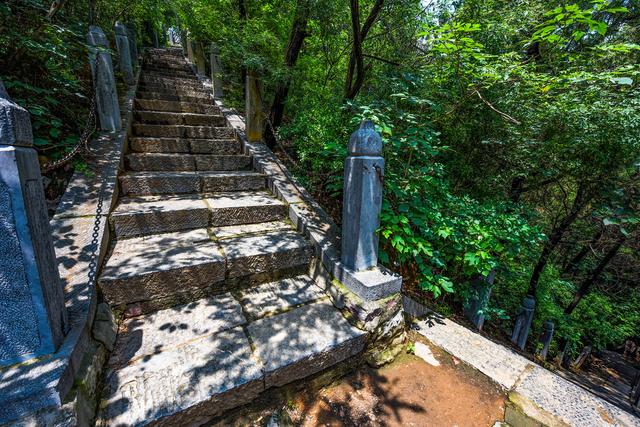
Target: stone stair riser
[(177, 145), (189, 119), (175, 107), (176, 184), (167, 131), (206, 99), (138, 224), (187, 162)]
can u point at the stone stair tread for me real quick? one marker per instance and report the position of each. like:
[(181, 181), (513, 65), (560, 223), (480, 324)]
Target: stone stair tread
[(187, 386), (303, 341), (256, 228), (279, 296), (162, 252), (184, 145), (164, 330)]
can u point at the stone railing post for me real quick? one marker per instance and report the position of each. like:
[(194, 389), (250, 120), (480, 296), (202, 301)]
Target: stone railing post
[(133, 44), (545, 339), (183, 41), (200, 61), (216, 71), (33, 317), (363, 178), (522, 326), (124, 54), (108, 109), (479, 299), (253, 108), (190, 56)]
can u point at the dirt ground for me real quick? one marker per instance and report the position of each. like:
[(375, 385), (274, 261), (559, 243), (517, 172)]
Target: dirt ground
[(409, 392)]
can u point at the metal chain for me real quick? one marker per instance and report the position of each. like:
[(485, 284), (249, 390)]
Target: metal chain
[(83, 141)]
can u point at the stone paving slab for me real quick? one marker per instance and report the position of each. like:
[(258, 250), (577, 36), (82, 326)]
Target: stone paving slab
[(241, 229), (558, 402), (252, 254), (279, 296), (244, 208), (537, 396), (303, 341), (208, 375), (501, 364), (147, 335)]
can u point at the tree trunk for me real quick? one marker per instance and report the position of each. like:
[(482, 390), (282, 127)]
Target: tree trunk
[(356, 62), (587, 283), (296, 39), (572, 266), (554, 238)]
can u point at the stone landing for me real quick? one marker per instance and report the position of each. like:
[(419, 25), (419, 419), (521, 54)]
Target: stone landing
[(188, 364)]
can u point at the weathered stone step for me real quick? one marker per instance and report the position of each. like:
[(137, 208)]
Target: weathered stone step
[(187, 365), (201, 98), (161, 214), (153, 71), (175, 90), (182, 131), (180, 145), (149, 183), (148, 273), (176, 107), (187, 162), (201, 94), (187, 81), (169, 118)]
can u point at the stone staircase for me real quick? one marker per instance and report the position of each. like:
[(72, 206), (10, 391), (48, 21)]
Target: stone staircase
[(209, 274)]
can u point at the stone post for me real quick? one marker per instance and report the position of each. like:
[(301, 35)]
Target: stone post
[(545, 339), (635, 391), (362, 196), (200, 61), (104, 81), (133, 44), (183, 41), (522, 326), (479, 299), (190, 55), (253, 108), (124, 54), (216, 71), (33, 317)]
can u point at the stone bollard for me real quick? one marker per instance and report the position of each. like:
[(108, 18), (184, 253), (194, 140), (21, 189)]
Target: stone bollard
[(522, 326), (200, 61), (107, 105), (33, 317), (133, 44), (253, 108), (479, 299), (545, 339), (190, 55), (183, 41), (124, 54), (363, 179), (216, 71)]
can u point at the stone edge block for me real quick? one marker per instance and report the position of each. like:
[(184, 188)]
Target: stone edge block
[(49, 379)]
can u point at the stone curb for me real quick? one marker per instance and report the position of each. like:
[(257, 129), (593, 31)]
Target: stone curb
[(536, 396)]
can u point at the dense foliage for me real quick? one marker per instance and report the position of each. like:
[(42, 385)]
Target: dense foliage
[(511, 131)]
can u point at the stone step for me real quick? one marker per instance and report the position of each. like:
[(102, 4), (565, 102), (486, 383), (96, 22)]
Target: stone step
[(142, 215), (175, 106), (186, 145), (173, 88), (150, 183), (169, 118), (181, 71), (182, 131), (187, 162), (201, 94), (189, 364), (202, 98), (170, 81), (145, 274)]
